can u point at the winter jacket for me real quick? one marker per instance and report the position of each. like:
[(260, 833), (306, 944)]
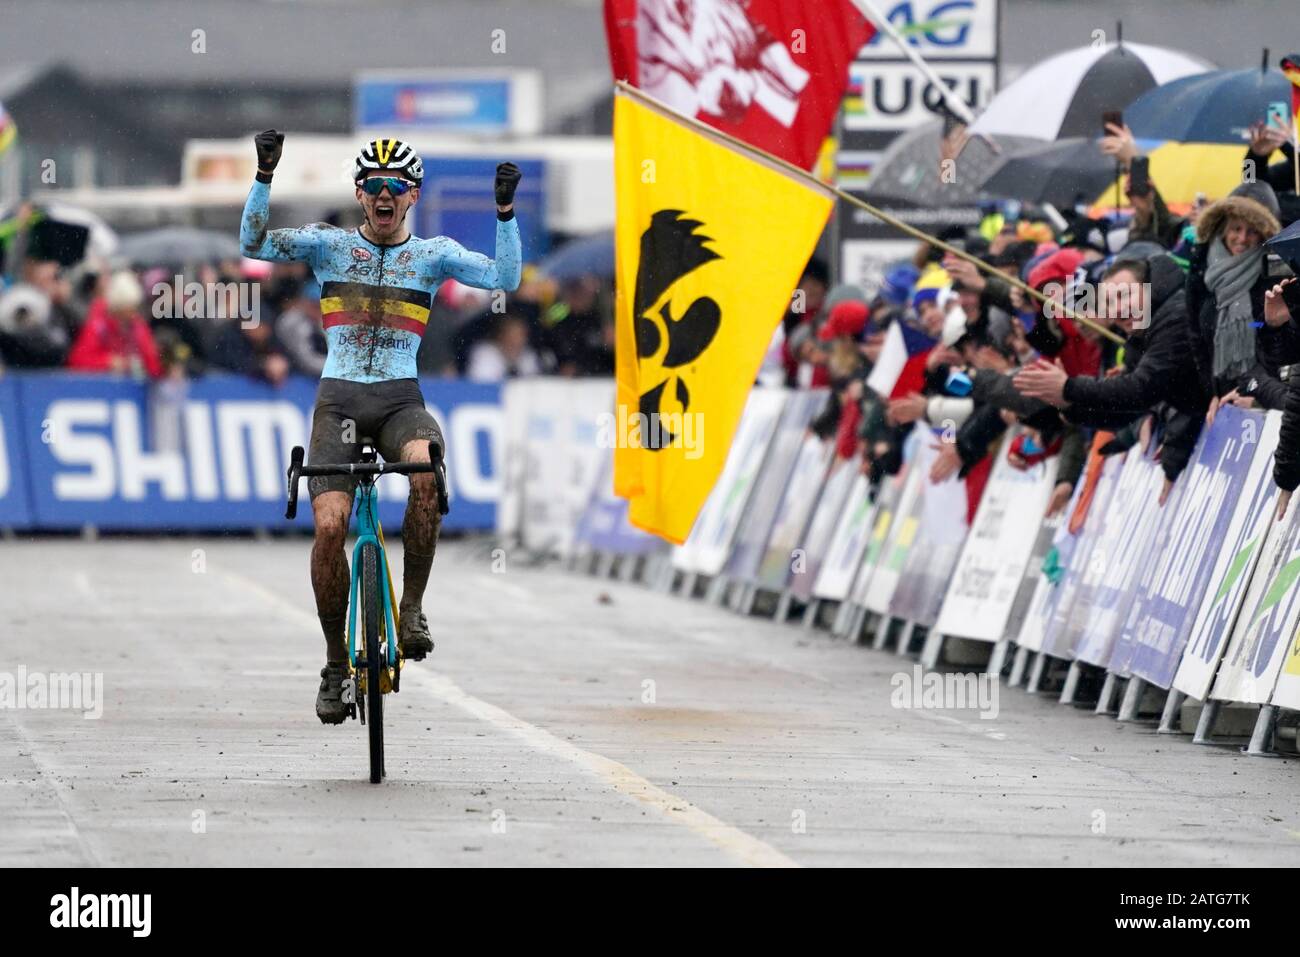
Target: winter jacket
[(1268, 391), (103, 339), (1286, 459), (1281, 176), (1272, 345), (977, 435), (1163, 228), (239, 353), (1073, 455), (1159, 367)]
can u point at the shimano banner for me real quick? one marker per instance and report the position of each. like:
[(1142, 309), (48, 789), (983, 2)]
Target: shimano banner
[(118, 454), (15, 499)]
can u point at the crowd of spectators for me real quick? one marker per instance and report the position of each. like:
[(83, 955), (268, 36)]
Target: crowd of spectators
[(1197, 314), (263, 321)]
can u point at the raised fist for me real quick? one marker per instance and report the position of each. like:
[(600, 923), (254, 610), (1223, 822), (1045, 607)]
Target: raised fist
[(269, 145), (508, 177)]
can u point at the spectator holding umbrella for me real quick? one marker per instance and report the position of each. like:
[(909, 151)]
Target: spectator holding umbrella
[(1152, 220), (116, 337)]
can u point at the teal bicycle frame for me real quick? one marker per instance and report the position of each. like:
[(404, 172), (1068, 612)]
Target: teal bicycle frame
[(368, 532)]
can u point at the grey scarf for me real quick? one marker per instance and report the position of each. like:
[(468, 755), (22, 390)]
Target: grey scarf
[(1230, 278)]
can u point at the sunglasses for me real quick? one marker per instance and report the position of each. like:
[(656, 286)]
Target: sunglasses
[(375, 185)]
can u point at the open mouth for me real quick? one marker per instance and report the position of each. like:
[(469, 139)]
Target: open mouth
[(385, 214)]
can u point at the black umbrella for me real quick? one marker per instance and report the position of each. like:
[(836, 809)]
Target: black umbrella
[(910, 168), (46, 237), (1287, 246), (1061, 173)]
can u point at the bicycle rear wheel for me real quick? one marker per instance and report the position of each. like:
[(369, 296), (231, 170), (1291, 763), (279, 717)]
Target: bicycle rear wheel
[(372, 613)]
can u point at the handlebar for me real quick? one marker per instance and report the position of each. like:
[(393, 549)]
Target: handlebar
[(435, 465)]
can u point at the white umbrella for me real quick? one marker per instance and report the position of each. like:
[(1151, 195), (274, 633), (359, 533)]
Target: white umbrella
[(1066, 94)]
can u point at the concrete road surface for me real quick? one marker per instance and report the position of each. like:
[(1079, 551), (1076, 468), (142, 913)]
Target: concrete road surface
[(561, 721)]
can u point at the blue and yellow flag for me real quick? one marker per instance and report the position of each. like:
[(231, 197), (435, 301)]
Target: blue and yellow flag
[(710, 244)]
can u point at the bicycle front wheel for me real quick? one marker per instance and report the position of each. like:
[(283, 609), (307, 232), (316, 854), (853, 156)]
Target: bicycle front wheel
[(372, 613)]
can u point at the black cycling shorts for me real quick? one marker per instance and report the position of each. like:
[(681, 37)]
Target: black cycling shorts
[(390, 414)]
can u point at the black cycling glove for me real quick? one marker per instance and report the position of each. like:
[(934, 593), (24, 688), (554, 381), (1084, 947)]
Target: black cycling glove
[(508, 177), (269, 145)]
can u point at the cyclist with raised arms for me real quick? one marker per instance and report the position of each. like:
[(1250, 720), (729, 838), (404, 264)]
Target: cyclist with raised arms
[(377, 286)]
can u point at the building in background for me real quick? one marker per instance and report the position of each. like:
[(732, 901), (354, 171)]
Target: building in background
[(112, 90)]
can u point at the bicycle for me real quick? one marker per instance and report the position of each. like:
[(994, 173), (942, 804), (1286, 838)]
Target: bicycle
[(375, 660)]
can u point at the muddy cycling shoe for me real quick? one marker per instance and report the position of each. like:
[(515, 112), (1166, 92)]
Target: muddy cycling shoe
[(413, 636), (330, 707)]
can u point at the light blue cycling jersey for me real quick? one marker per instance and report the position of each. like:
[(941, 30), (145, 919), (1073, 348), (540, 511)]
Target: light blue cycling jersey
[(375, 300)]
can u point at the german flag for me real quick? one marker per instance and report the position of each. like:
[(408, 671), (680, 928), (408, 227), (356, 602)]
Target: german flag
[(364, 304), (1291, 70)]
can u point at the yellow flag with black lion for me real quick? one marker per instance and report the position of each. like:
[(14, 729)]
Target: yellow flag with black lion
[(710, 244)]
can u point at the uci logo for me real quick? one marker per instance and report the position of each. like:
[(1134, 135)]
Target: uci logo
[(671, 249), (947, 25)]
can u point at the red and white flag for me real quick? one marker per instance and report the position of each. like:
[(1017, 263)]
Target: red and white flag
[(771, 72)]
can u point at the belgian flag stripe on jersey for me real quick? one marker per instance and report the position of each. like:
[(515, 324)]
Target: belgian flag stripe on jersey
[(360, 304), (387, 306), (352, 291), (388, 321)]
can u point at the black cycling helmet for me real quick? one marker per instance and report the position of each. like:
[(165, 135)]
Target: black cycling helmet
[(389, 154)]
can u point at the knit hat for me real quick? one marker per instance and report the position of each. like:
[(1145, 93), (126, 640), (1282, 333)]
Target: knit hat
[(1059, 267), (24, 300), (898, 284), (922, 296), (798, 336), (1261, 193), (845, 292), (124, 292), (1253, 203), (847, 318)]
